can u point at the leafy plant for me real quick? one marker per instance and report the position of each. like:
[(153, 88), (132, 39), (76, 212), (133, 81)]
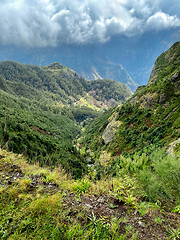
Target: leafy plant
[(173, 233), (177, 209), (82, 186), (158, 220), (143, 208)]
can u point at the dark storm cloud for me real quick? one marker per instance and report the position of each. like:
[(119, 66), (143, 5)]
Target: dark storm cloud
[(51, 22)]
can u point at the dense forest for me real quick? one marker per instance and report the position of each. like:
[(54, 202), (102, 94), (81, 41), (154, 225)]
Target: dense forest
[(38, 115)]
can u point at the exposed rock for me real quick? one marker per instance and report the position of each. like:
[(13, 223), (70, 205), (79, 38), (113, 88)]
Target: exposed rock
[(101, 200), (134, 100), (174, 77), (55, 65), (170, 149), (110, 130), (141, 224), (111, 103), (148, 100), (153, 76), (88, 205), (171, 112), (90, 156)]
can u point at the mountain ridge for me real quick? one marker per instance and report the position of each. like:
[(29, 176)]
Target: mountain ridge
[(87, 61)]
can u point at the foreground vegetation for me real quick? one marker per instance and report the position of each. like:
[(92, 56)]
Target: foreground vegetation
[(141, 200)]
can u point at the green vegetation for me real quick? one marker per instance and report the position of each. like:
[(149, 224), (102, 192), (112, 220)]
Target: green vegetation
[(113, 180), (38, 203), (38, 115), (42, 136), (59, 80), (150, 116)]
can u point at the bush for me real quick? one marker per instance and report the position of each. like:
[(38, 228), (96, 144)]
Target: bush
[(145, 128), (148, 115), (128, 139), (157, 173), (169, 124)]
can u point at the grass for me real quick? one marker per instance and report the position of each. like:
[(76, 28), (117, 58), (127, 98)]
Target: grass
[(33, 211)]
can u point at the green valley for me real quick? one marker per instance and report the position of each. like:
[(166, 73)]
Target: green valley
[(86, 159), (40, 113)]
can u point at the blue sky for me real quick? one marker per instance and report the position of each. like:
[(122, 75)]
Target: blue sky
[(40, 23)]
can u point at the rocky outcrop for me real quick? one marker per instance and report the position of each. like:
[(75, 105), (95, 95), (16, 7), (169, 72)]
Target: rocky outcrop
[(171, 147), (110, 130), (153, 76), (146, 101), (175, 77)]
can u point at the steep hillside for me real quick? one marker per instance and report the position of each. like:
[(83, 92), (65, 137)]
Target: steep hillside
[(60, 80), (150, 116), (41, 203)]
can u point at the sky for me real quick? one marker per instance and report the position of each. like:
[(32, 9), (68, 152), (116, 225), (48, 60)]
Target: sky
[(41, 23)]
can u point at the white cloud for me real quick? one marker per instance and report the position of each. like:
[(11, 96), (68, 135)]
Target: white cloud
[(50, 22), (162, 20)]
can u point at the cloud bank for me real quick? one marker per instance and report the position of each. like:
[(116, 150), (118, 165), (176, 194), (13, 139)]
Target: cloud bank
[(43, 23)]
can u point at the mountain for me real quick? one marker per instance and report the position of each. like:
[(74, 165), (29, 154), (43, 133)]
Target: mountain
[(68, 86), (42, 107), (86, 60), (125, 59), (138, 53), (128, 181), (150, 116)]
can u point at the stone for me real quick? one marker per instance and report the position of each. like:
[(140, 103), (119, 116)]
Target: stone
[(88, 205), (100, 200), (141, 224), (110, 130)]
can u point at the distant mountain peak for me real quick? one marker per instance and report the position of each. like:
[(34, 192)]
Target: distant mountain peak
[(56, 65)]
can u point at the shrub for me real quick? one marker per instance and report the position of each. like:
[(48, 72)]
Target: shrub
[(169, 124), (145, 128), (128, 139), (148, 115), (158, 173), (82, 186)]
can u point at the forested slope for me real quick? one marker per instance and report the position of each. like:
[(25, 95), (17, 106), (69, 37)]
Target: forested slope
[(40, 114), (150, 116)]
